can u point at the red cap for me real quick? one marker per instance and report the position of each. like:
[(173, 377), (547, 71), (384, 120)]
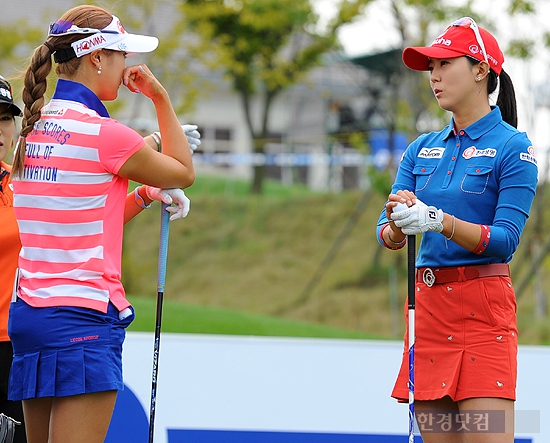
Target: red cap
[(456, 41)]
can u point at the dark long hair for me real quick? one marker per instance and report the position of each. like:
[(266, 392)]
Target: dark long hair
[(506, 99)]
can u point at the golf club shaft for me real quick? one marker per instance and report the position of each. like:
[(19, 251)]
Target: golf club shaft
[(411, 302), (161, 279)]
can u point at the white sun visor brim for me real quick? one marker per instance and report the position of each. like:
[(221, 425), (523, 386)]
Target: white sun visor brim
[(134, 44), (112, 37)]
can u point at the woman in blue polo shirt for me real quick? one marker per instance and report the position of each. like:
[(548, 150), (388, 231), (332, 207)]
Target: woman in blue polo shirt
[(468, 190)]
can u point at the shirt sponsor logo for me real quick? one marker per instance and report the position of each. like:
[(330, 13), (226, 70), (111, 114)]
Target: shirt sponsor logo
[(431, 152), (59, 112), (528, 157), (472, 151)]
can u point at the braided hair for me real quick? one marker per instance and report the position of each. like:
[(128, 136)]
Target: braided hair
[(35, 83)]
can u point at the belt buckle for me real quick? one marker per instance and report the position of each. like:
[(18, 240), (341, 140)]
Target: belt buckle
[(428, 277)]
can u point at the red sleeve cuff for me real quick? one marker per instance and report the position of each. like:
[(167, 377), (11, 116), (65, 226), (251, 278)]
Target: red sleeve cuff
[(397, 245)]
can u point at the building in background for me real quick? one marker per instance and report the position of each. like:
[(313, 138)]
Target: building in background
[(310, 121)]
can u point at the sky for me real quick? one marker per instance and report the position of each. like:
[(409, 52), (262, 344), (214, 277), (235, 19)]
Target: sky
[(376, 33)]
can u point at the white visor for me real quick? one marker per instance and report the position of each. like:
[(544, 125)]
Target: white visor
[(112, 37)]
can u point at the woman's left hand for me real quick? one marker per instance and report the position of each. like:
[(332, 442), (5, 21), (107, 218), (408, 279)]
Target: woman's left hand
[(419, 218), (193, 136), (175, 197)]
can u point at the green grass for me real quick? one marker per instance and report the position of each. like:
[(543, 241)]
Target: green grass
[(214, 185), (256, 254), (239, 264), (183, 318)]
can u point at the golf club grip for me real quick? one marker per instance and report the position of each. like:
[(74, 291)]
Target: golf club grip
[(411, 270), (163, 247)]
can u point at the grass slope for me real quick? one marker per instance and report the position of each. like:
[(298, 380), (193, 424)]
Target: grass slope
[(241, 264), (183, 318)]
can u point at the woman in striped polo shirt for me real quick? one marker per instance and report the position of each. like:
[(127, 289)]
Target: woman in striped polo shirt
[(70, 173)]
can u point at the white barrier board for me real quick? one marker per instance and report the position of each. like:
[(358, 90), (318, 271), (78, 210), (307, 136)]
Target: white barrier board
[(221, 389)]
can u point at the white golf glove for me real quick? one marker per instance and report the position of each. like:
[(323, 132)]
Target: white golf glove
[(419, 218), (193, 136), (190, 131), (175, 197)]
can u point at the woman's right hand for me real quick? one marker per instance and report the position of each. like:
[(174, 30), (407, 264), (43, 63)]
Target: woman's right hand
[(173, 168), (401, 196), (140, 79)]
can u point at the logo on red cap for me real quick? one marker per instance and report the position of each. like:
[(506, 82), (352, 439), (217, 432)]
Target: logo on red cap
[(461, 38), (442, 41)]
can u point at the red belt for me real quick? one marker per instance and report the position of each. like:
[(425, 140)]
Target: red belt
[(432, 276)]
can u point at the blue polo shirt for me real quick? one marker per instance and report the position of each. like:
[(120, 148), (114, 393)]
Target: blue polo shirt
[(485, 174)]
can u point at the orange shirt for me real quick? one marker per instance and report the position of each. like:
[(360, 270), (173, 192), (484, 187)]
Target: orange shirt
[(9, 251)]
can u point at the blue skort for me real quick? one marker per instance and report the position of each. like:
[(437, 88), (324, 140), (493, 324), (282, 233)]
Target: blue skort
[(63, 351)]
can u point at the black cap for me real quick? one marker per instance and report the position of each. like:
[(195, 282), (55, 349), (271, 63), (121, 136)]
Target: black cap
[(6, 96)]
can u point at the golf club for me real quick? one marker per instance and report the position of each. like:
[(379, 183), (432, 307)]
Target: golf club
[(161, 279), (411, 256), (411, 280)]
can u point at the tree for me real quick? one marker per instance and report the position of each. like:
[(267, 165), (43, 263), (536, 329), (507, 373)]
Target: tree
[(18, 41), (405, 101), (263, 47), (169, 62)]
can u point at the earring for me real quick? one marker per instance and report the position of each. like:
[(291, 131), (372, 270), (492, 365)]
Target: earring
[(478, 79), (99, 70)]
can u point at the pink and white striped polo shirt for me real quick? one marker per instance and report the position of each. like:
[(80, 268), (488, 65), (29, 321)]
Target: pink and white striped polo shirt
[(69, 204)]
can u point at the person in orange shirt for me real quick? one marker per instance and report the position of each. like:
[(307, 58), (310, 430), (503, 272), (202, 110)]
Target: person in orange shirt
[(9, 239)]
